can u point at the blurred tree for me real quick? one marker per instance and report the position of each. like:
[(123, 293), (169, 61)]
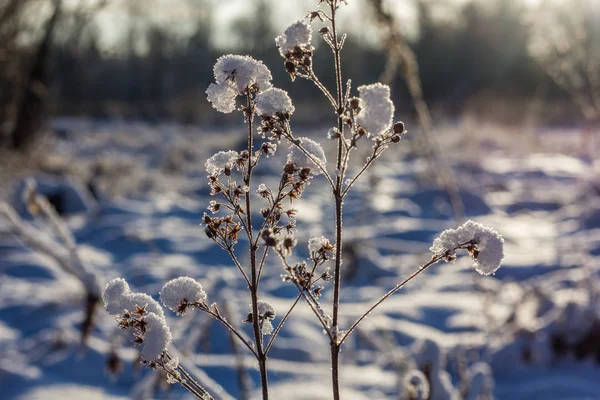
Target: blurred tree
[(33, 101)]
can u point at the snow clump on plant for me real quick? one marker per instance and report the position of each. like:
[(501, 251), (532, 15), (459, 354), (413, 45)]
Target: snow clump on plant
[(234, 75), (485, 245), (301, 160), (140, 313), (377, 110), (274, 101), (180, 292), (297, 34), (221, 160)]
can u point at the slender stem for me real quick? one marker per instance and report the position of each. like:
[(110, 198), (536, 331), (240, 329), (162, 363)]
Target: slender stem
[(335, 347), (262, 359), (229, 249), (434, 260), (313, 77), (262, 263), (316, 309), (377, 151), (232, 329), (189, 381), (290, 136), (285, 317)]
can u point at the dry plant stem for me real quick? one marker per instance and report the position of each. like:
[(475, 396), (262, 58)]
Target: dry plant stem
[(309, 300), (334, 343), (229, 249), (233, 330), (242, 373), (260, 355), (434, 260), (285, 317), (188, 382)]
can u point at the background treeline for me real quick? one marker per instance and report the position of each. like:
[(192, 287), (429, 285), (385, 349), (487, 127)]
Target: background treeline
[(475, 60)]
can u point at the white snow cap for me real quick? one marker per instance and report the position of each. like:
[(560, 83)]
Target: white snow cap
[(317, 243), (220, 161), (263, 309), (377, 110), (416, 384), (118, 297), (273, 101), (157, 336), (301, 160), (222, 97), (489, 244), (233, 74), (297, 34), (182, 288)]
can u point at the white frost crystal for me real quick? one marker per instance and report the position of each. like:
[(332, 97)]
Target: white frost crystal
[(233, 74), (301, 160), (241, 72), (222, 97), (273, 101), (179, 289), (265, 308), (157, 336), (220, 161), (266, 313), (316, 244), (297, 34), (118, 297), (377, 110), (488, 242)]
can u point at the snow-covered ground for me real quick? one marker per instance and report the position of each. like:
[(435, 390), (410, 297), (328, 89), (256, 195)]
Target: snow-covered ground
[(535, 322)]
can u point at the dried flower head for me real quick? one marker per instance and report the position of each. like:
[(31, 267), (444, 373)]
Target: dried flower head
[(296, 35), (299, 159), (180, 293), (147, 323), (485, 245), (221, 161), (234, 75), (273, 101), (377, 110)]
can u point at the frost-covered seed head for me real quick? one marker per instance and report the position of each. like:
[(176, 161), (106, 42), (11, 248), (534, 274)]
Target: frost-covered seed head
[(489, 245), (118, 297), (183, 290), (265, 309), (320, 246), (274, 101), (157, 336), (377, 110), (222, 96), (242, 72), (301, 160), (333, 133), (297, 34), (221, 161), (233, 75)]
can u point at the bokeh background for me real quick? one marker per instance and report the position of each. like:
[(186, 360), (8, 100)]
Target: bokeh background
[(103, 106)]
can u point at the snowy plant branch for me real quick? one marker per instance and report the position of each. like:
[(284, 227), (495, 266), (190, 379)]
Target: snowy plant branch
[(243, 84), (484, 244)]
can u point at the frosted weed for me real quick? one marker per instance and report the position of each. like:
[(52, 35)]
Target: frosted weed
[(243, 84)]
